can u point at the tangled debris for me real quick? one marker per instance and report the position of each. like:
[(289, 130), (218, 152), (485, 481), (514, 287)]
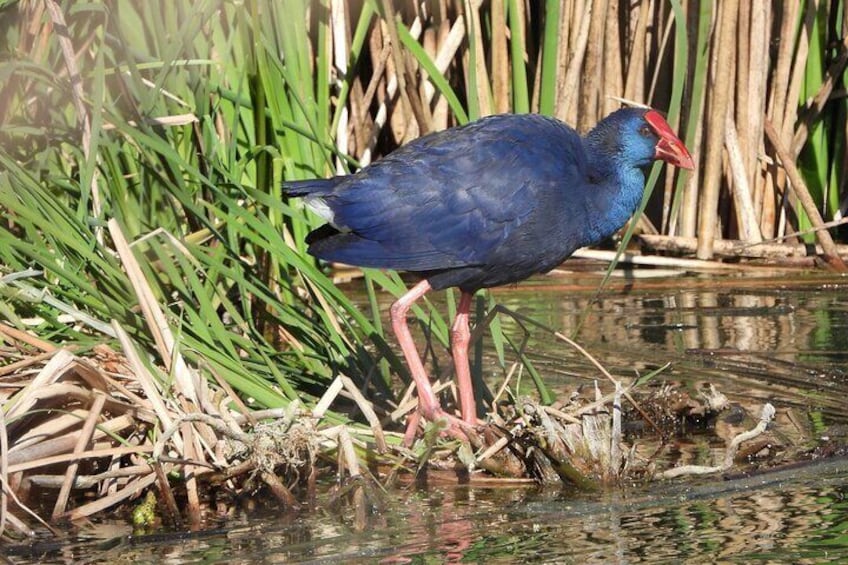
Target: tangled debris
[(82, 435)]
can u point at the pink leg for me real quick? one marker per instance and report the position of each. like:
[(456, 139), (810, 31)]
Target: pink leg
[(427, 402), (460, 338)]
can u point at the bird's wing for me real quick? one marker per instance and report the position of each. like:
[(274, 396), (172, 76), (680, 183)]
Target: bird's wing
[(449, 201)]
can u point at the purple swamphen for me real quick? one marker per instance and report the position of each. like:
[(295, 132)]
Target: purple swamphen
[(485, 204)]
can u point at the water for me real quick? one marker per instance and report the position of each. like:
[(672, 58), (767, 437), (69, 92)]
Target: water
[(784, 341)]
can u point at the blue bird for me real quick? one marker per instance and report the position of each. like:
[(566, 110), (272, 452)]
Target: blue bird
[(485, 204)]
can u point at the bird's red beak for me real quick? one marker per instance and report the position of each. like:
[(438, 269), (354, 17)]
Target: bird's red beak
[(669, 148)]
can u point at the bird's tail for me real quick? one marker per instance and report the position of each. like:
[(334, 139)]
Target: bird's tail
[(311, 187)]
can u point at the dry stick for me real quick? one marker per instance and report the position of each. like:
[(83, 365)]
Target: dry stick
[(367, 411), (441, 109), (766, 416), (328, 397), (154, 316), (131, 489), (634, 84), (24, 337), (338, 15), (609, 377), (744, 203), (82, 441), (147, 381), (472, 11), (661, 52), (776, 110), (634, 259), (842, 248), (408, 94), (446, 54), (830, 253), (4, 470), (615, 435), (743, 76), (404, 407), (58, 365), (571, 419), (213, 422), (569, 17), (376, 75), (89, 481), (799, 70), (612, 80), (715, 136), (24, 363), (192, 453), (346, 447), (278, 489), (768, 249), (168, 494), (790, 112), (97, 453)]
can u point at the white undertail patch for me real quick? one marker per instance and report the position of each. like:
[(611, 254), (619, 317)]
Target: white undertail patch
[(323, 210)]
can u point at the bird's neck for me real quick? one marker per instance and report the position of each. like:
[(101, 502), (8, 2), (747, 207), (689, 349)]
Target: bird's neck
[(618, 188)]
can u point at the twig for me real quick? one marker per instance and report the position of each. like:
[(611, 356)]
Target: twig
[(146, 380), (368, 411), (66, 457), (830, 253), (4, 470), (609, 377), (213, 422), (83, 439), (24, 337), (155, 317), (766, 416), (131, 489), (327, 398)]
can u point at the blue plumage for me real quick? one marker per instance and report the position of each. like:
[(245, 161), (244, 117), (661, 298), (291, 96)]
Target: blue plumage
[(485, 204)]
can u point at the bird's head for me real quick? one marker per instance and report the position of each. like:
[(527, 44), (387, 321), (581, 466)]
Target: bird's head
[(637, 137)]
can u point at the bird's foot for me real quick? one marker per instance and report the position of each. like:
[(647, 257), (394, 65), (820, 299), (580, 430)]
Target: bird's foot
[(454, 427)]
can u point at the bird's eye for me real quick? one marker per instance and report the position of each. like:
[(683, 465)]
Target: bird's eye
[(645, 131)]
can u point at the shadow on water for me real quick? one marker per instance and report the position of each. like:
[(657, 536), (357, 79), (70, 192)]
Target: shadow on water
[(756, 340)]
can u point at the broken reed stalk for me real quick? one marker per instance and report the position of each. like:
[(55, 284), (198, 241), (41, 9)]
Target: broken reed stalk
[(83, 441), (155, 317), (771, 249), (799, 187)]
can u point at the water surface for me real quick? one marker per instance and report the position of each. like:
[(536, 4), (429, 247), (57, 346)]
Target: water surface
[(756, 339)]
